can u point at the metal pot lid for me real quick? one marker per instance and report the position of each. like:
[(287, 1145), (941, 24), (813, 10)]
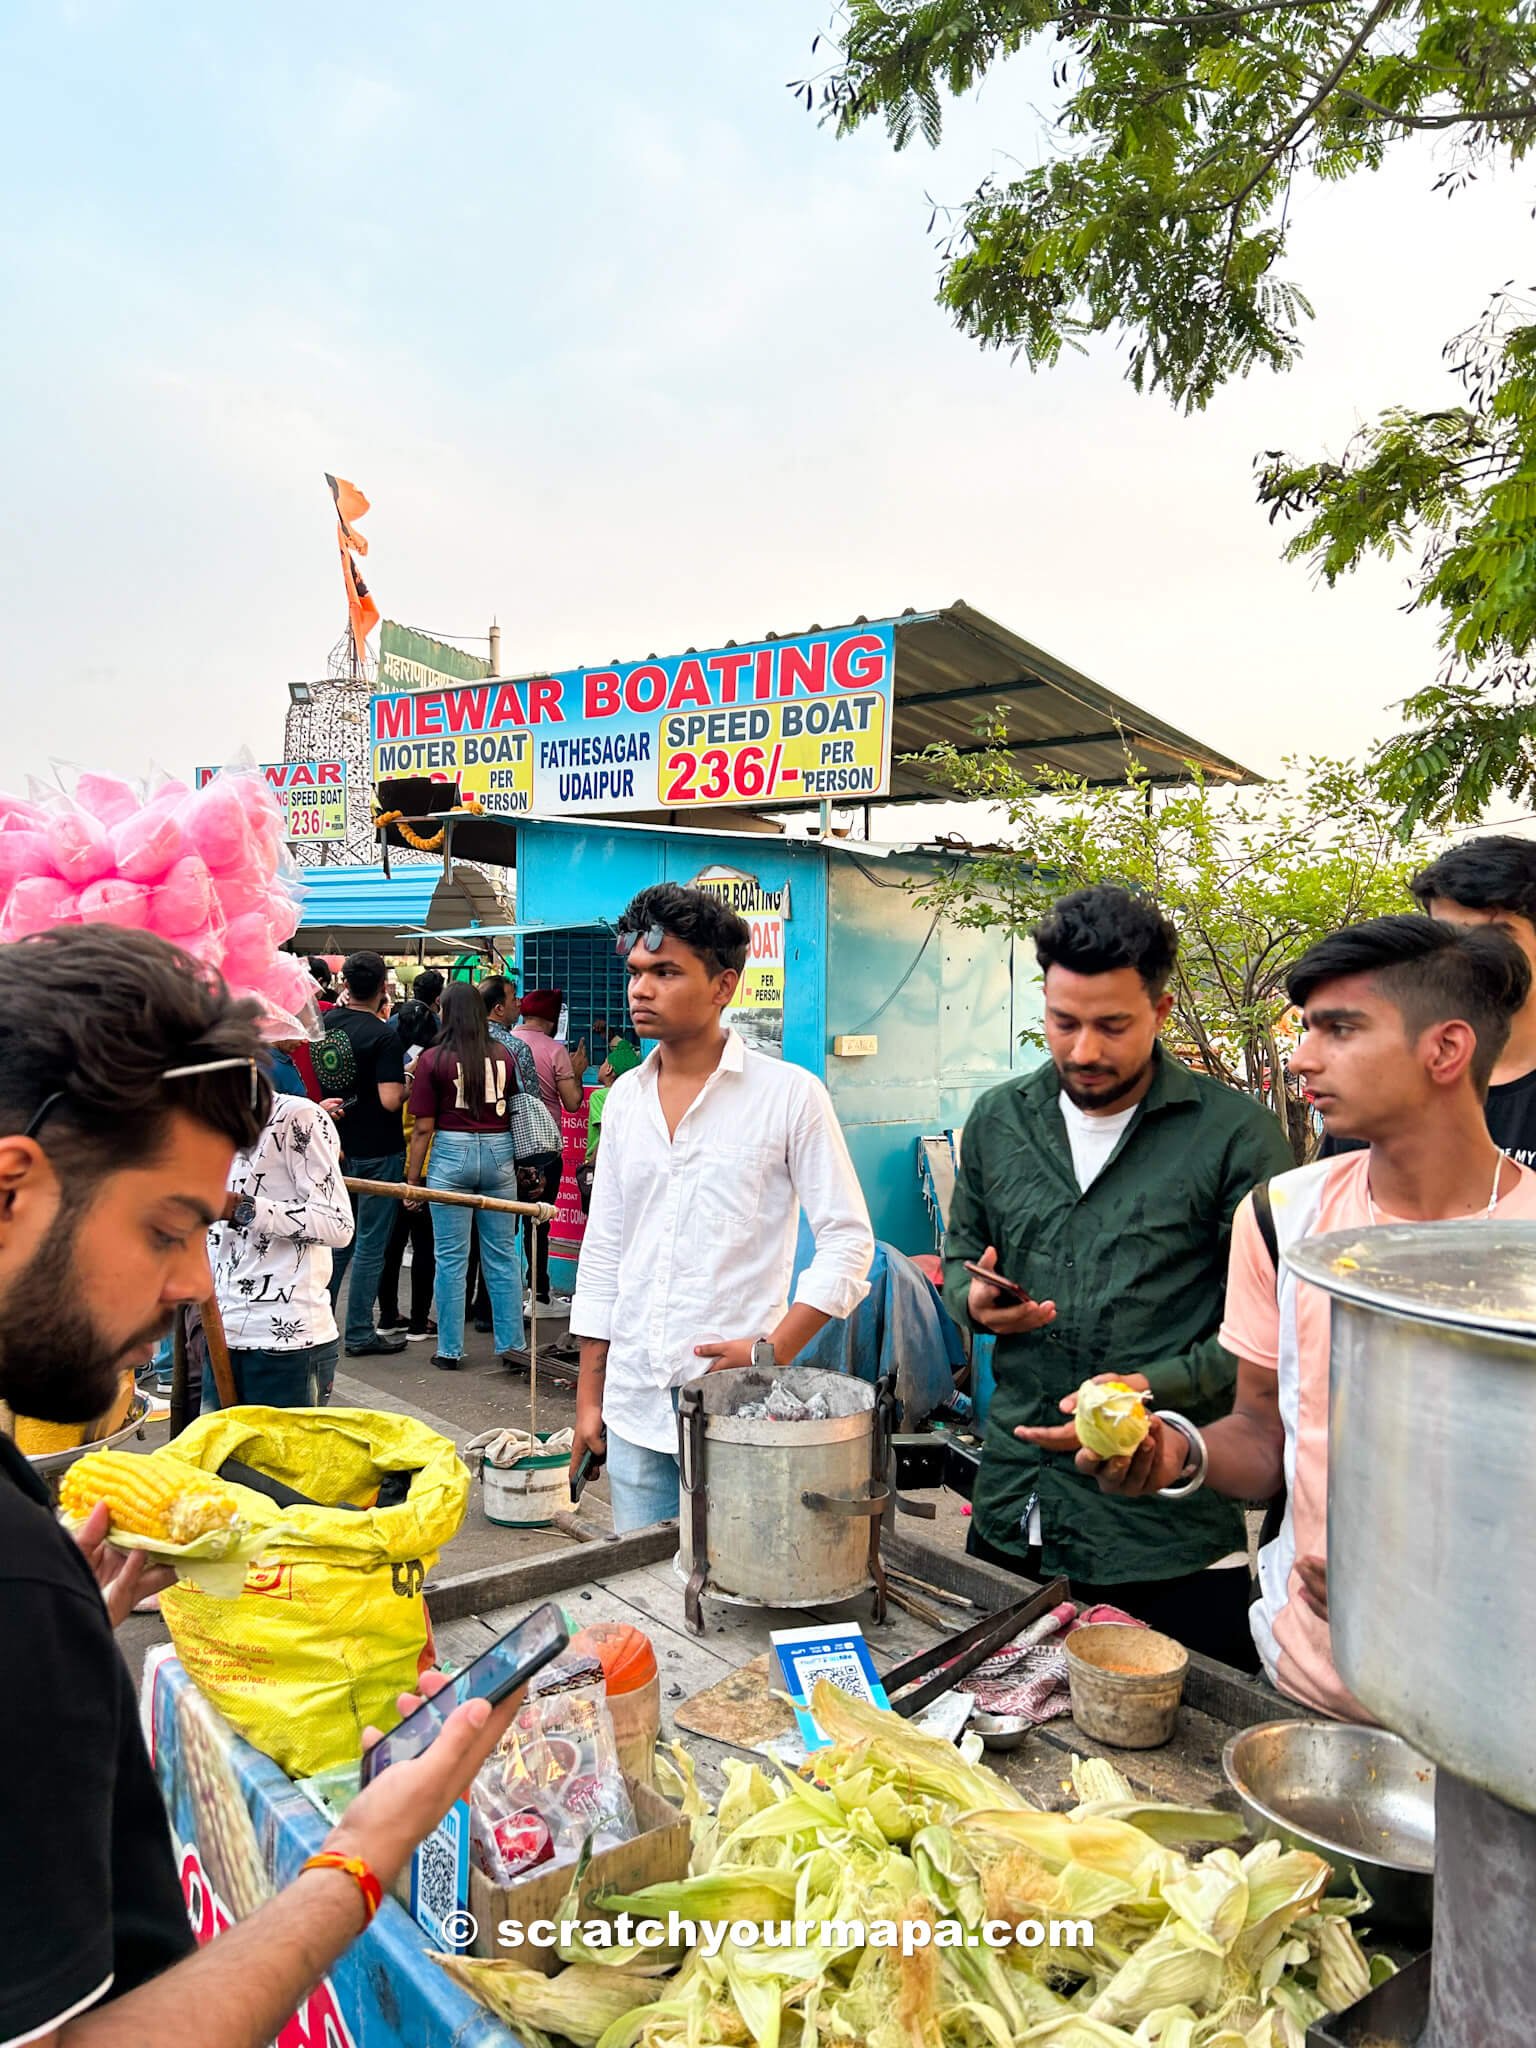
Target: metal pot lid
[(1474, 1275)]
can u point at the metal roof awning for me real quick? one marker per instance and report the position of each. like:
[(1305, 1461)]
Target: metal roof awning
[(345, 908), (956, 665), (471, 932)]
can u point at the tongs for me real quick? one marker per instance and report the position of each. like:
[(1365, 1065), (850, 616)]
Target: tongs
[(956, 1656)]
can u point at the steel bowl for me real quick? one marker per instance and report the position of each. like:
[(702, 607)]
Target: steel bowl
[(141, 1414), (1001, 1731), (1361, 1797)]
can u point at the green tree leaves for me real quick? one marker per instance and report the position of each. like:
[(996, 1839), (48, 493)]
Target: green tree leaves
[(1251, 877), (1183, 133)]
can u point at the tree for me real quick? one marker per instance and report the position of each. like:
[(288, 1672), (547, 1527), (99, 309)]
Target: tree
[(1251, 878), (1185, 133)]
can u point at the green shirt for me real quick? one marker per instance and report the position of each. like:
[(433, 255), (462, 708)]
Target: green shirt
[(1137, 1269)]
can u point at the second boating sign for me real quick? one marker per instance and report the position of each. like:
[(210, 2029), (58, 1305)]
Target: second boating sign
[(783, 721)]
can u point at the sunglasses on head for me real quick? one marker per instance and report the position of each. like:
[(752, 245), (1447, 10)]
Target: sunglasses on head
[(654, 938), (51, 1102)]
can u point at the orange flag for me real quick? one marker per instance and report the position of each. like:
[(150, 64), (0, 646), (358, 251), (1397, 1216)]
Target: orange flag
[(350, 505), (362, 612), (361, 609), (350, 502)]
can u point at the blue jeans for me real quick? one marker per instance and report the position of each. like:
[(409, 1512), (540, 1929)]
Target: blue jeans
[(473, 1164), (370, 1241), (278, 1379), (642, 1485)]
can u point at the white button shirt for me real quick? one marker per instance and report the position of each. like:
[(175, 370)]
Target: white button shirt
[(691, 1240)]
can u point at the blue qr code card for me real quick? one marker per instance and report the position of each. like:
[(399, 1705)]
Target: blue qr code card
[(840, 1655), (440, 1881)]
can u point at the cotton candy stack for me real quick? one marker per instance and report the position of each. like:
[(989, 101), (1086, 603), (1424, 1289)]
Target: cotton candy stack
[(206, 869)]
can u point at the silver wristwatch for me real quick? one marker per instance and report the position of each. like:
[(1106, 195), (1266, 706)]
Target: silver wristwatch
[(764, 1359)]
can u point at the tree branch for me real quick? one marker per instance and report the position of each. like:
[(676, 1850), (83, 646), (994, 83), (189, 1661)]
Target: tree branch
[(1273, 154)]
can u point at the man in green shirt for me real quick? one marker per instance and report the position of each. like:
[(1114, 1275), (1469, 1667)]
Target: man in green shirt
[(1103, 1184)]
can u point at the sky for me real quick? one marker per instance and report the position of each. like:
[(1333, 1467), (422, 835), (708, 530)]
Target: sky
[(629, 353)]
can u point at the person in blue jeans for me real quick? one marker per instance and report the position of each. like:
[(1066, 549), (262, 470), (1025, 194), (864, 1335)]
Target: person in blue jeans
[(372, 1058), (461, 1090)]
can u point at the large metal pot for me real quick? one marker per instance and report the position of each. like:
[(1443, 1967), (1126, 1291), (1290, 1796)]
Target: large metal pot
[(1431, 1478), (786, 1506)]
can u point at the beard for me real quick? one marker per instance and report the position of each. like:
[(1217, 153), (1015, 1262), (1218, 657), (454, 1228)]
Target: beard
[(1106, 1094), (55, 1364)]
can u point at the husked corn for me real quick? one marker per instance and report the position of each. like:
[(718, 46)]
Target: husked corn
[(34, 1437), (145, 1498)]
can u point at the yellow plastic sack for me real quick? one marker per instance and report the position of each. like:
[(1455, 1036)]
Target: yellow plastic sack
[(331, 1623)]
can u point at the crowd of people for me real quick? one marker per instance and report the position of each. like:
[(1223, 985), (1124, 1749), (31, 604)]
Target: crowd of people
[(1116, 1213), (457, 1087)]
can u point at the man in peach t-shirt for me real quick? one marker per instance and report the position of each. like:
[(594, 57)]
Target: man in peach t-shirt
[(1404, 1021)]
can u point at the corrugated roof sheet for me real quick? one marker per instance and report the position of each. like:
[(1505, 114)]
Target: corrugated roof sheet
[(955, 665), (358, 906), (362, 896)]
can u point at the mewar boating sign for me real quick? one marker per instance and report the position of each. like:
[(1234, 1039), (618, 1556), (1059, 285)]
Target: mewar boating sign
[(781, 721)]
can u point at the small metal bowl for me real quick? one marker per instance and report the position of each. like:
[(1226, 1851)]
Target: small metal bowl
[(1361, 1797), (141, 1413), (1001, 1731)]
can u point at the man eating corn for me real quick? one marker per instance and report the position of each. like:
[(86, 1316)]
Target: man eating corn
[(128, 1079), (1404, 1021)]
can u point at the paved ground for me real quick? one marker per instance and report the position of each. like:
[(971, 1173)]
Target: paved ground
[(482, 1395)]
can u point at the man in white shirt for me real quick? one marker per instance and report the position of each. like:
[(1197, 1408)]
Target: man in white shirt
[(709, 1154), (287, 1207)]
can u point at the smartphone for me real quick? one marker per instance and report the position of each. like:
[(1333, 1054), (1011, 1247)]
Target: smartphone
[(587, 1466), (537, 1639), (1008, 1287)]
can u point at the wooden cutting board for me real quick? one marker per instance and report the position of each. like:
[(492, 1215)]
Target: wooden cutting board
[(740, 1709)]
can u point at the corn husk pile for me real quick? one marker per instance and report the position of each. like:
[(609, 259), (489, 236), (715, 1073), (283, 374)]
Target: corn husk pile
[(1188, 1950)]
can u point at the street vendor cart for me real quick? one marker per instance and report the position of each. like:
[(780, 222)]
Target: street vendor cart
[(242, 1827)]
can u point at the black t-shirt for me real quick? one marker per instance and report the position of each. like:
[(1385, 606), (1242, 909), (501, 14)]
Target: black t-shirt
[(90, 1902), (369, 1130), (1511, 1116)]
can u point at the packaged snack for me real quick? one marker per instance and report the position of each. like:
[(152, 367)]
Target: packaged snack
[(556, 1768), (570, 1673)]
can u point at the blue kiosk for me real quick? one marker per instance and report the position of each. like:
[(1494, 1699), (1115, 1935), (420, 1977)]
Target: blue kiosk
[(589, 785)]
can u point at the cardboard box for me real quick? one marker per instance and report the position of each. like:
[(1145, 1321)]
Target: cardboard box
[(658, 1855)]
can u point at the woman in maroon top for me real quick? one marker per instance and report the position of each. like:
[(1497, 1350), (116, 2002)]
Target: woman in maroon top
[(459, 1099)]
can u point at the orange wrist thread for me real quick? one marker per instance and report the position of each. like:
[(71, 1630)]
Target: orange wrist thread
[(357, 1870)]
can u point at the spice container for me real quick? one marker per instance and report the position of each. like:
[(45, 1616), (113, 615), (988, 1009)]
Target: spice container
[(1126, 1683)]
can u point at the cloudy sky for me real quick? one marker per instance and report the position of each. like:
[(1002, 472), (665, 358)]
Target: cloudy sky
[(625, 350)]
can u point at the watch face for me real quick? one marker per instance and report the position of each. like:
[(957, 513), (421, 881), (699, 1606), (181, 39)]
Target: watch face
[(762, 1355)]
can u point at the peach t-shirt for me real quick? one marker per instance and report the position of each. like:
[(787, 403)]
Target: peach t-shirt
[(1286, 1330)]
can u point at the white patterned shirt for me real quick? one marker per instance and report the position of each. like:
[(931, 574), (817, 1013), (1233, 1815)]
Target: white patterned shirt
[(692, 1238), (273, 1278)]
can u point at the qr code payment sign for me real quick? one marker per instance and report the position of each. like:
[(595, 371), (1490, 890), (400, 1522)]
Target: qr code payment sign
[(440, 1879), (843, 1670)]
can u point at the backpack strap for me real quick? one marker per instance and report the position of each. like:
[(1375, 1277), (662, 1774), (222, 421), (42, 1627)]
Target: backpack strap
[(1264, 1216)]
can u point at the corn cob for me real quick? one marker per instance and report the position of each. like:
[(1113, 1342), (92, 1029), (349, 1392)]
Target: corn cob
[(146, 1498), (37, 1438), (34, 1438)]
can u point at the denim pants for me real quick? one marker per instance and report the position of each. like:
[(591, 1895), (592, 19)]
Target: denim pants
[(642, 1485), (473, 1163), (278, 1379), (364, 1256)]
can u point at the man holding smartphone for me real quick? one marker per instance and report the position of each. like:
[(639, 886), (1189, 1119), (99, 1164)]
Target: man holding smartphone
[(1100, 1189), (128, 1079)]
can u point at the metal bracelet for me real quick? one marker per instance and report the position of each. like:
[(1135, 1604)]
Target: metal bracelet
[(1196, 1442)]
